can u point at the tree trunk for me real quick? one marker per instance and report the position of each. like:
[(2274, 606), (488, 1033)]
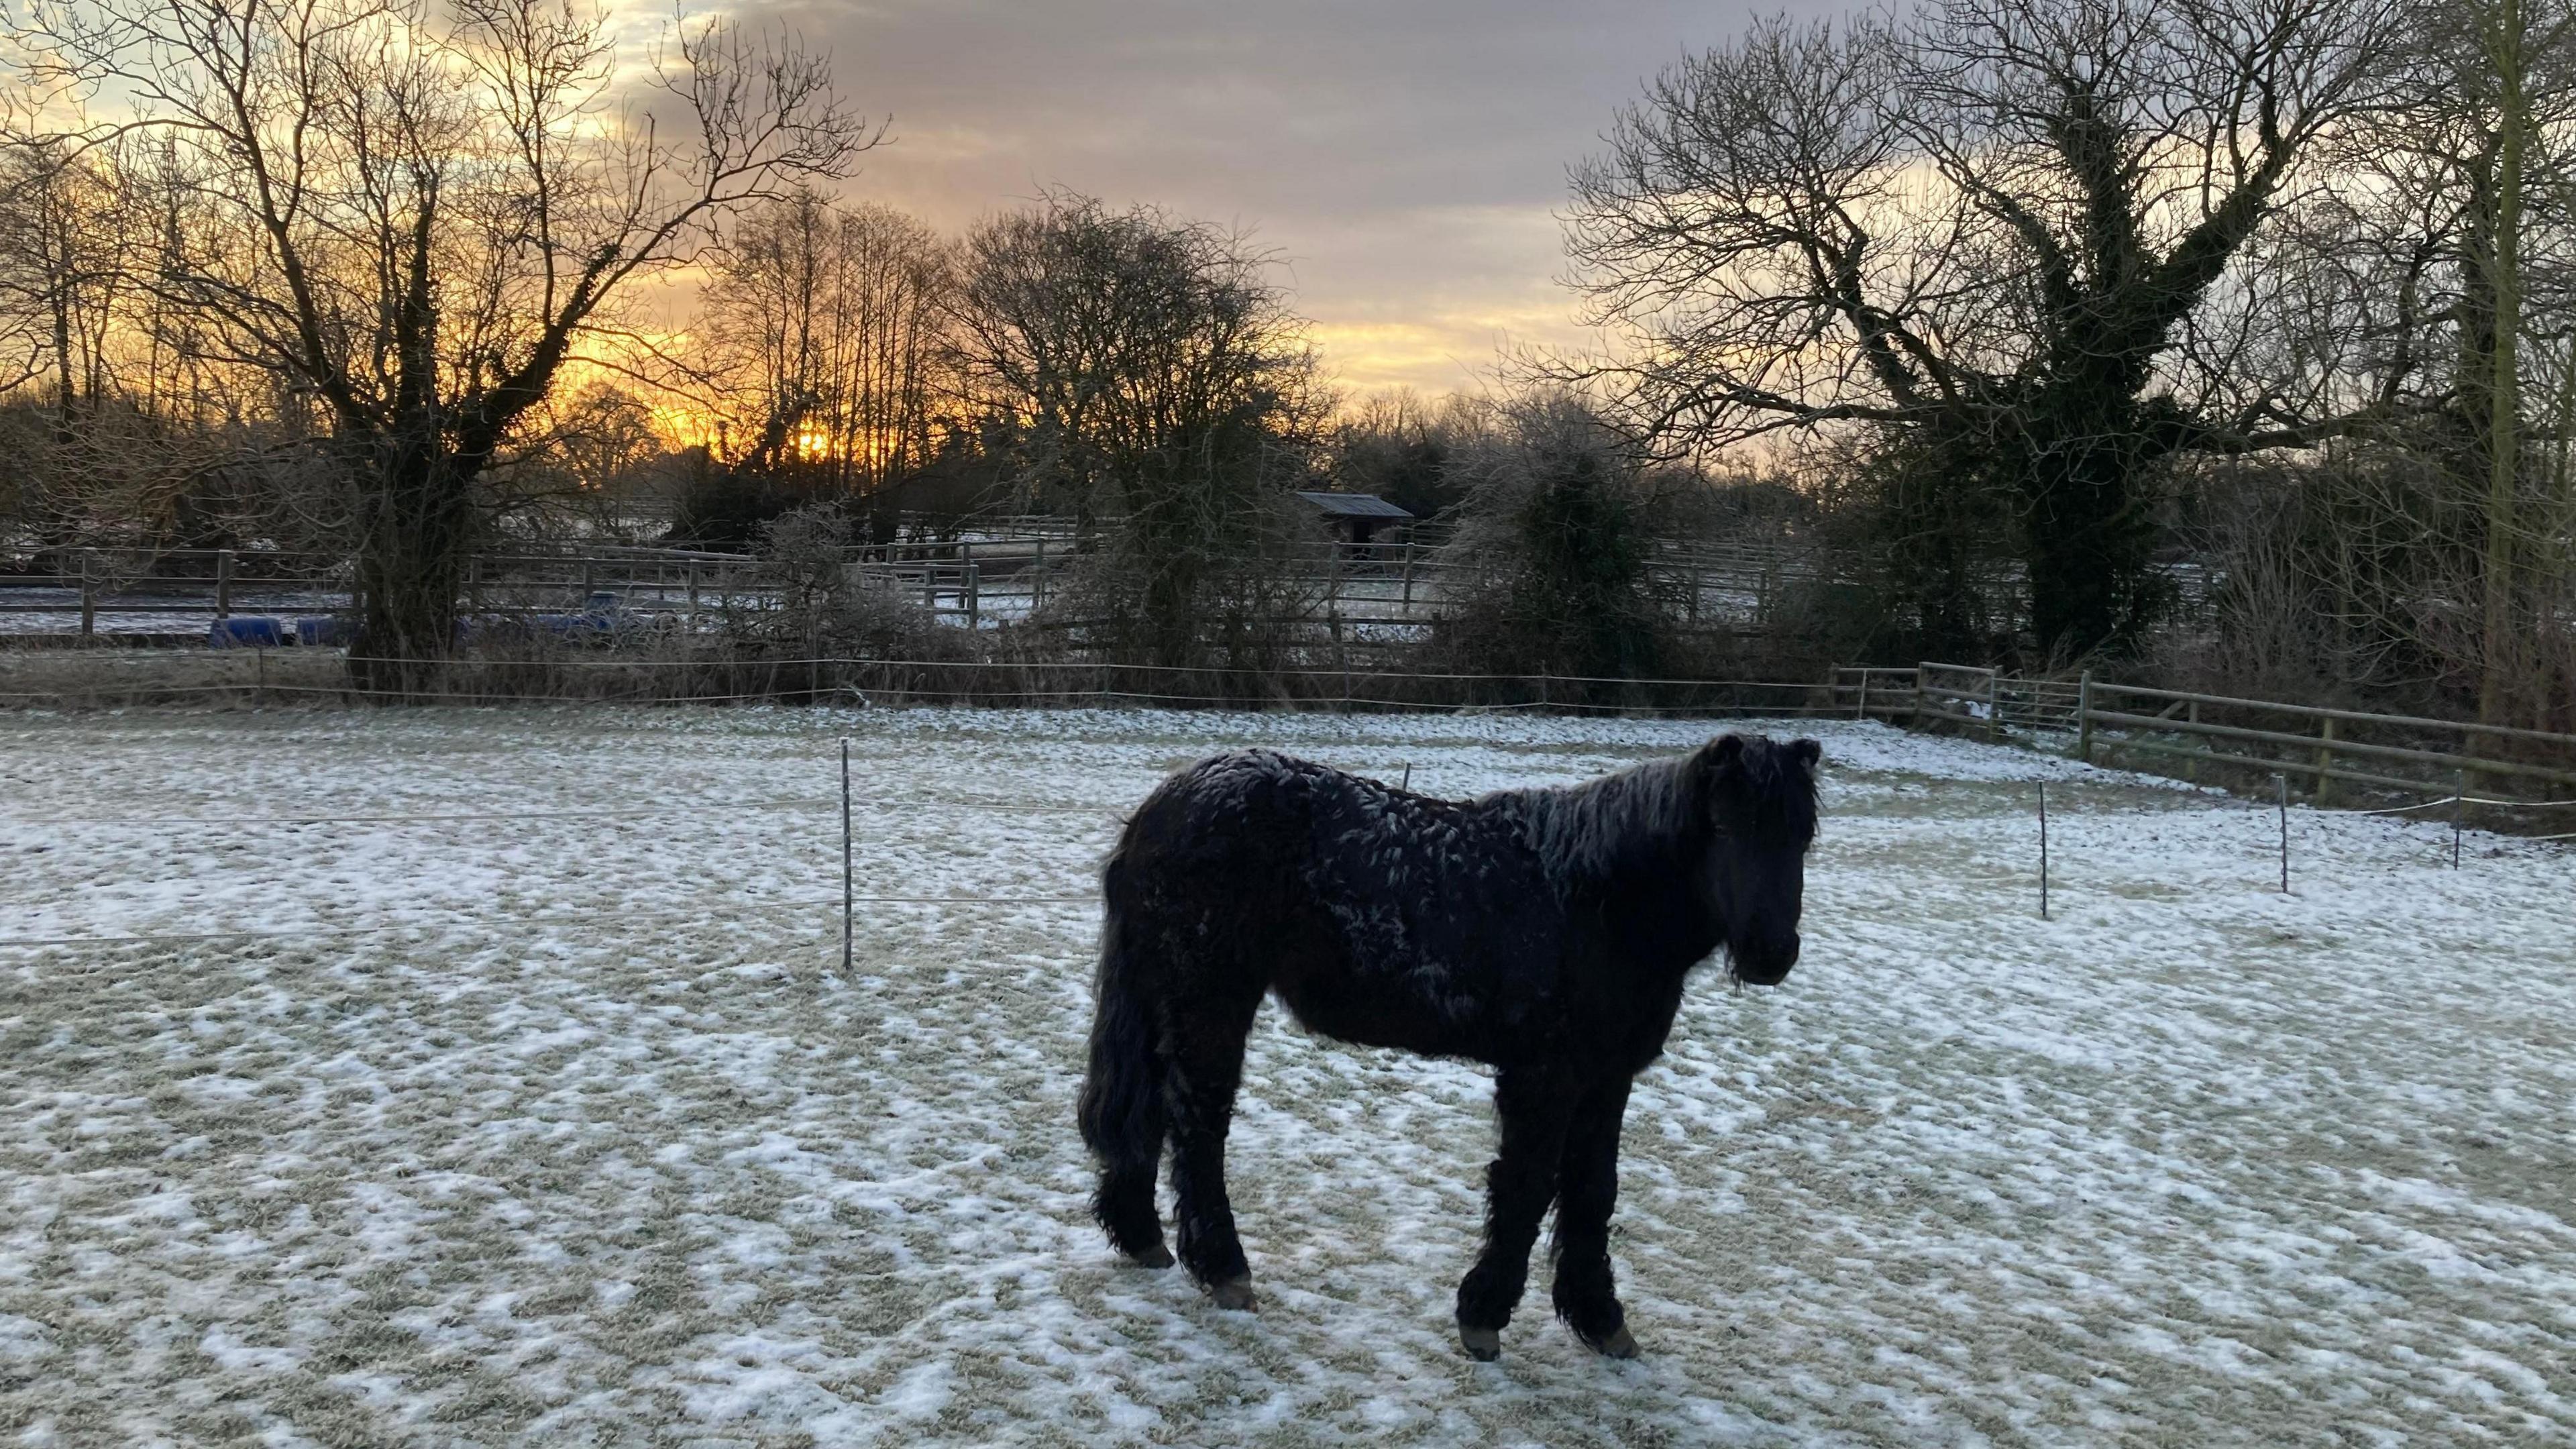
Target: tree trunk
[(2088, 533), (2505, 396), (1935, 502), (416, 526), (2086, 554), (66, 413)]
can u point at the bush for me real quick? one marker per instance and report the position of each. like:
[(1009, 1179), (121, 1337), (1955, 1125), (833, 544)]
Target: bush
[(828, 608), (1554, 547)]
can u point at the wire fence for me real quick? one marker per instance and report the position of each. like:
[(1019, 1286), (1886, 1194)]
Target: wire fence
[(253, 676), (432, 922), (822, 808), (1966, 699)]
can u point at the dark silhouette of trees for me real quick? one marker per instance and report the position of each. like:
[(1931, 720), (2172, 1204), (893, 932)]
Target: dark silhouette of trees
[(1151, 373), (2001, 228), (419, 219)]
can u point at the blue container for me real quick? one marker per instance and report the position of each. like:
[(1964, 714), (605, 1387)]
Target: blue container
[(602, 613), (245, 631), (322, 629)]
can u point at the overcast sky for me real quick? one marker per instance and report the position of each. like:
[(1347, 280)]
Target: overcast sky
[(1405, 157)]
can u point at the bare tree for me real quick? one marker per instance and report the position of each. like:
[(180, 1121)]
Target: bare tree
[(61, 227), (2436, 272), (1396, 446), (2517, 93), (422, 218), (823, 328), (1992, 228), (1150, 370)]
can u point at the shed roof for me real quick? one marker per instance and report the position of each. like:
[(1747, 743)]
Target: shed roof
[(1354, 505)]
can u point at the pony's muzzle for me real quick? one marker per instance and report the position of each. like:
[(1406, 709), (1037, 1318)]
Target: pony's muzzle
[(1763, 963)]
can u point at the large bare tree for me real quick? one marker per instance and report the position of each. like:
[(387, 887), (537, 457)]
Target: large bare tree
[(2003, 228), (422, 215)]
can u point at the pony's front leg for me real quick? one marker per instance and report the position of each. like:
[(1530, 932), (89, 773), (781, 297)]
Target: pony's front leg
[(1587, 1189), (1518, 1187)]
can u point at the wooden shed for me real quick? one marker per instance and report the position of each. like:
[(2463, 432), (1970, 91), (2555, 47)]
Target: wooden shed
[(1355, 517)]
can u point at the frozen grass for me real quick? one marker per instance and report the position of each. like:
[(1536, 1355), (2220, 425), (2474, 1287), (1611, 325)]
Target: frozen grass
[(574, 1132)]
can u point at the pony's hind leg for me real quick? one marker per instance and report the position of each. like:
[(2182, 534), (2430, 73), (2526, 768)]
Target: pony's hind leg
[(1122, 1113), (1587, 1188), (1124, 1205), (1206, 1065), (1519, 1185)]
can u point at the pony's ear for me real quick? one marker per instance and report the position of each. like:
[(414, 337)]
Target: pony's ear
[(1719, 754), (1807, 752)]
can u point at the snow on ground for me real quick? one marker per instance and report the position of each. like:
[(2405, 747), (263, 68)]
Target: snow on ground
[(547, 1116)]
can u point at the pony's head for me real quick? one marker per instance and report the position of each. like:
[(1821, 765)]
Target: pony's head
[(1761, 799)]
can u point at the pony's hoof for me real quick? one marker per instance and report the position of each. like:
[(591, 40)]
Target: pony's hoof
[(1484, 1345), (1622, 1344), (1156, 1256), (1235, 1294)]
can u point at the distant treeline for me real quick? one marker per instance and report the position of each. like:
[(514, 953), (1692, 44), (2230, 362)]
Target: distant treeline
[(2221, 340)]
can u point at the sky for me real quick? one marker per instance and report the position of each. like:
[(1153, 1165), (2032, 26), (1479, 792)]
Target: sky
[(1405, 159)]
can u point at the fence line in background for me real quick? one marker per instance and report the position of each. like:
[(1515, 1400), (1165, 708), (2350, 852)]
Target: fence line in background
[(1103, 695), (2183, 715), (2191, 730), (432, 921), (1000, 574), (866, 679), (452, 920), (1975, 698)]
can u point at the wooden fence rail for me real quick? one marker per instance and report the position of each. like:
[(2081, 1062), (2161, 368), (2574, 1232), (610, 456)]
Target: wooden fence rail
[(2205, 735), (2323, 744), (973, 581), (1979, 699)]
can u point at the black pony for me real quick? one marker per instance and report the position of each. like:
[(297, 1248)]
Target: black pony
[(1544, 931)]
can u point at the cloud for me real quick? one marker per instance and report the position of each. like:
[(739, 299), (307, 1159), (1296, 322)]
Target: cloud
[(1404, 157)]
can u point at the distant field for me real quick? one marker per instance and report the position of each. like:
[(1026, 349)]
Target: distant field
[(569, 1130)]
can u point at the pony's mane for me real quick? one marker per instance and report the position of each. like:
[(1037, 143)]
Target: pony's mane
[(1593, 829)]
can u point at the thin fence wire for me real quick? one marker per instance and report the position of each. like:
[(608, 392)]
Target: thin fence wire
[(663, 812), (858, 678), (1021, 697), (881, 806), (450, 921), (1238, 670)]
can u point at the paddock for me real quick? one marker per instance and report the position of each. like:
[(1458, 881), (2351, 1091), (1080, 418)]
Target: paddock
[(492, 1076)]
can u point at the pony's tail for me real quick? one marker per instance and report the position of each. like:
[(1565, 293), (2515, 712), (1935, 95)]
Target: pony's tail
[(1121, 1111)]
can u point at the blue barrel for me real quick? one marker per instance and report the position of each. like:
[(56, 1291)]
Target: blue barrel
[(246, 631), (320, 629)]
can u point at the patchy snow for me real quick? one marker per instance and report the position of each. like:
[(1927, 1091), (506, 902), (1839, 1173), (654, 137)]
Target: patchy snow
[(547, 1115)]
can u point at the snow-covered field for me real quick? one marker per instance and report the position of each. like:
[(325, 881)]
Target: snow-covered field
[(544, 1113)]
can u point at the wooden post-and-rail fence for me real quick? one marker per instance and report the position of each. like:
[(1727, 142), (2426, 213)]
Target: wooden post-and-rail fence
[(2328, 747), (2206, 735), (1983, 701)]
